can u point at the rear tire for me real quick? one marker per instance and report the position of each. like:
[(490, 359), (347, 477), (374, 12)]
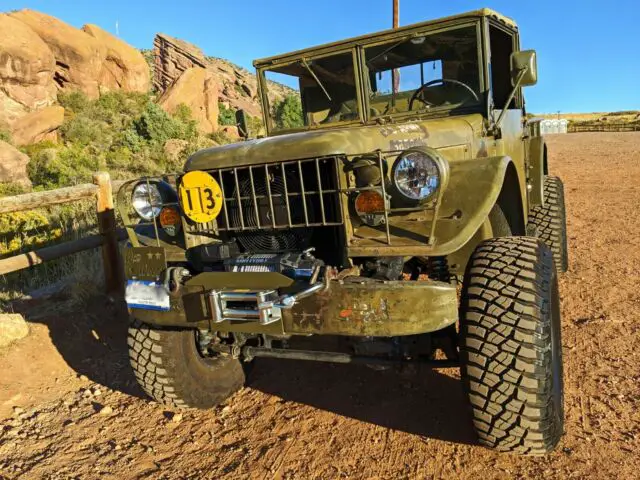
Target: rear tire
[(551, 223), (510, 348), (171, 370)]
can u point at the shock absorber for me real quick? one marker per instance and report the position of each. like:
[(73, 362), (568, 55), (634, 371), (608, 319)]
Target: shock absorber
[(438, 269), (446, 339)]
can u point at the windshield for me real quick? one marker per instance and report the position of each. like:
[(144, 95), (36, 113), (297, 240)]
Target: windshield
[(425, 72), (320, 91)]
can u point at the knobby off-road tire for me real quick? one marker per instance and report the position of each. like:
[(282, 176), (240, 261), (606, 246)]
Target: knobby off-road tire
[(551, 223), (171, 370), (510, 349)]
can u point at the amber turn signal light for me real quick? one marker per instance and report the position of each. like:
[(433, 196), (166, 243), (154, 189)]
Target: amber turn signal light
[(170, 220), (370, 201), (370, 207)]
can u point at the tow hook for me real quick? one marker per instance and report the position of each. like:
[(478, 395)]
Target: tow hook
[(172, 280)]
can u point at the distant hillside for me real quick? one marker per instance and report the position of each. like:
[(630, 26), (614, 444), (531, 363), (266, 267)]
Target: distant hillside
[(625, 116)]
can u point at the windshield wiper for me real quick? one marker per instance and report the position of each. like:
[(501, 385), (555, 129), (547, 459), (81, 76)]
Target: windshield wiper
[(384, 52), (304, 63)]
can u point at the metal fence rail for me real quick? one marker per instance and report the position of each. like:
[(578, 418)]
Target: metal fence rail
[(604, 127), (102, 190)]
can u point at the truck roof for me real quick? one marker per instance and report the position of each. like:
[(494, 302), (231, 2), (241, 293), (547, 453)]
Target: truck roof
[(483, 12)]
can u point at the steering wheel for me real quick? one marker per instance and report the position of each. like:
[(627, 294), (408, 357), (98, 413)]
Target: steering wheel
[(416, 95)]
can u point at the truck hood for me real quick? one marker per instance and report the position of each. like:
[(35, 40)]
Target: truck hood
[(437, 133)]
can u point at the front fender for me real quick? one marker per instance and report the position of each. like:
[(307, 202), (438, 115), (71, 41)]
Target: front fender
[(474, 188)]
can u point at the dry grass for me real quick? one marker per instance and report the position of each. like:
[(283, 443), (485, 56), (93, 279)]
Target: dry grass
[(77, 274), (614, 117)]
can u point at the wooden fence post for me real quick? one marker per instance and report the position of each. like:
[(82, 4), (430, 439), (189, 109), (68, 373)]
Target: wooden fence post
[(113, 274)]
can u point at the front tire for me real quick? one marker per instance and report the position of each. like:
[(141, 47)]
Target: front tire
[(510, 348), (170, 368)]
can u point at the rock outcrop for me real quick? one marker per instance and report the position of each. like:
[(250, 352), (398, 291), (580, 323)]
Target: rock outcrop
[(26, 71), (237, 87), (79, 56), (13, 165), (172, 57), (197, 89), (37, 126), (124, 67)]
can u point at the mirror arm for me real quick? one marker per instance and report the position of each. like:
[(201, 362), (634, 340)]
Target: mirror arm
[(519, 79)]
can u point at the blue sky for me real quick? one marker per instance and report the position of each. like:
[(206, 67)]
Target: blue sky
[(587, 50)]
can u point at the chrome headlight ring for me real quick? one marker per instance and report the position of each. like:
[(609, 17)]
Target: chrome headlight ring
[(419, 173), (146, 200)]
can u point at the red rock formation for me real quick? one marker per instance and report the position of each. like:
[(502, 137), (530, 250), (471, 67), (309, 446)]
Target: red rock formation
[(26, 71), (171, 58), (79, 56), (37, 126), (124, 67), (13, 165), (197, 89)]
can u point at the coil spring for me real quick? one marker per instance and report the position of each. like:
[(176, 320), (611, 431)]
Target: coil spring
[(438, 269)]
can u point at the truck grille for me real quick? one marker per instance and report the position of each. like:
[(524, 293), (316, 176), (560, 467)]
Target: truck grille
[(274, 207)]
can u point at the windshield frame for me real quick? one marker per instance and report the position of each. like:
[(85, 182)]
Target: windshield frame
[(437, 111), (357, 48), (267, 117)]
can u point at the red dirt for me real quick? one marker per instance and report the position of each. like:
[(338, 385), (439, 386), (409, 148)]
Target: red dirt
[(305, 420)]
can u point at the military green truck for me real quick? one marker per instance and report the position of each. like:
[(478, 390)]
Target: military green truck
[(398, 210)]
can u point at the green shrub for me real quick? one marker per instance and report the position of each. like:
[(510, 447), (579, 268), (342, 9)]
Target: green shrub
[(123, 132), (288, 113), (73, 102), (156, 126), (10, 189), (220, 138), (226, 116), (5, 136), (85, 130), (255, 126), (52, 168)]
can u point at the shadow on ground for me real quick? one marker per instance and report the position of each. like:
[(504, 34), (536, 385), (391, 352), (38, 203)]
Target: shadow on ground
[(92, 340), (417, 400)]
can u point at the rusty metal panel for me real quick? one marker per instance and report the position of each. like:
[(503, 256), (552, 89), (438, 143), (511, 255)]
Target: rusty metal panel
[(375, 308)]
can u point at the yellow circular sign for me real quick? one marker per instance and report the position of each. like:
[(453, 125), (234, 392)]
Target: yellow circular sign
[(200, 196)]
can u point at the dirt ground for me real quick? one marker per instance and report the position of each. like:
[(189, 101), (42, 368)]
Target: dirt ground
[(306, 420)]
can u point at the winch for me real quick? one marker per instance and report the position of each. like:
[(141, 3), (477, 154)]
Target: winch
[(299, 266)]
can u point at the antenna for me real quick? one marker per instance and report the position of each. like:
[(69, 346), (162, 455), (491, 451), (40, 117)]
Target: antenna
[(117, 29), (395, 74), (396, 13)]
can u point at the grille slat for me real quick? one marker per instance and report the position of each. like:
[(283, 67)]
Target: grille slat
[(235, 177), (304, 196), (271, 209), (286, 194)]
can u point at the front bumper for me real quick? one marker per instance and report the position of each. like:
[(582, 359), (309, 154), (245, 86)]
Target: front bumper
[(353, 307)]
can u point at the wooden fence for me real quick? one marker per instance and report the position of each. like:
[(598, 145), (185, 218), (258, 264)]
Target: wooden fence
[(102, 190), (604, 127)]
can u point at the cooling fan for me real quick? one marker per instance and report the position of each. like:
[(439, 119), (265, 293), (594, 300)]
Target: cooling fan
[(262, 237)]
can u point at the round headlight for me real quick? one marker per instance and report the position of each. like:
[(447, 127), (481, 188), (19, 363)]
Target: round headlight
[(416, 175), (147, 200)]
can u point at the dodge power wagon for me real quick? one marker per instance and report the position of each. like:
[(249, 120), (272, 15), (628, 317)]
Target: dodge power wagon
[(401, 204)]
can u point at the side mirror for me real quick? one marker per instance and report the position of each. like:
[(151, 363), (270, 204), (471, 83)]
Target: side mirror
[(524, 64), (241, 122)]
